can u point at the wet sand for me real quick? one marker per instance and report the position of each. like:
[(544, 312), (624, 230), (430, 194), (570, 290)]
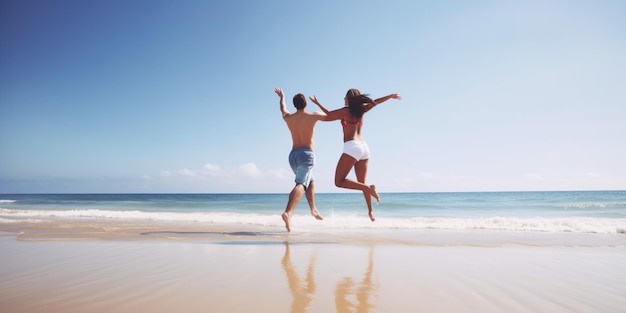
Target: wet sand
[(174, 269)]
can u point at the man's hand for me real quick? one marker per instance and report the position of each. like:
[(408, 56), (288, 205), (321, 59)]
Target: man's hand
[(279, 92), (283, 107)]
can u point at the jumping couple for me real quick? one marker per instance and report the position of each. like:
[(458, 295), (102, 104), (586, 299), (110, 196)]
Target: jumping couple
[(355, 151)]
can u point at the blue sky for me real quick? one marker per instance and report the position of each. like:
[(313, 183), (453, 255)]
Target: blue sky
[(177, 96)]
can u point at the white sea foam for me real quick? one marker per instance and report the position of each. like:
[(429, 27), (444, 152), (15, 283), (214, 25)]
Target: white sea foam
[(334, 221), (6, 201)]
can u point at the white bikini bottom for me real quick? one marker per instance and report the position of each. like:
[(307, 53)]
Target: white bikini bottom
[(356, 149)]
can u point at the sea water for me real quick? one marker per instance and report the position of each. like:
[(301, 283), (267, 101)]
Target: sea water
[(563, 211)]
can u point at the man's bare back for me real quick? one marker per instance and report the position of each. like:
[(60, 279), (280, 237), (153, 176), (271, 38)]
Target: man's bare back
[(301, 125)]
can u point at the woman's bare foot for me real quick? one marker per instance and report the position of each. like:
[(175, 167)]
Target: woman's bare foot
[(374, 193), (371, 213), (286, 218), (316, 214)]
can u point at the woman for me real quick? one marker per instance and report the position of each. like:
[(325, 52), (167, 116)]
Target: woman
[(355, 150)]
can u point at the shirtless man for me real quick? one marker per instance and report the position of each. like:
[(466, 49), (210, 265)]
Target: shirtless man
[(301, 157)]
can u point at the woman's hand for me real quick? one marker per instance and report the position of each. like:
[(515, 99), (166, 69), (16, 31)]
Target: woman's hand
[(314, 99)]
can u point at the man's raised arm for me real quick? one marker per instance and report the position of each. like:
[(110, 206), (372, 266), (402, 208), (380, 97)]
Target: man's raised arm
[(283, 107)]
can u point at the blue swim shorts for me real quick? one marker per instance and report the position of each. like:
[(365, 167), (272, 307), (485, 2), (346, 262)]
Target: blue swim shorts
[(302, 161)]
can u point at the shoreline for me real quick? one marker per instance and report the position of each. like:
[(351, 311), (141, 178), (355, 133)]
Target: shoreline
[(114, 230)]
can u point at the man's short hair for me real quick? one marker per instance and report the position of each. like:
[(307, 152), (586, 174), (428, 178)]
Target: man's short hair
[(299, 101)]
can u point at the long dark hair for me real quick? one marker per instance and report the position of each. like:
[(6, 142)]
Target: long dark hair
[(356, 101)]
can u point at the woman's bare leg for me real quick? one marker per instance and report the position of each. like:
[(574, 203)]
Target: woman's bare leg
[(360, 169), (344, 166)]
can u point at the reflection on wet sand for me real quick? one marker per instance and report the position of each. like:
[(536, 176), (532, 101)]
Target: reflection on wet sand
[(303, 291), (366, 288)]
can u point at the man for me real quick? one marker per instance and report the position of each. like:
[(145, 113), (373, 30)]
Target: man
[(301, 157)]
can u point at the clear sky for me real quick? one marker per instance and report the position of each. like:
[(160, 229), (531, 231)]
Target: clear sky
[(178, 96)]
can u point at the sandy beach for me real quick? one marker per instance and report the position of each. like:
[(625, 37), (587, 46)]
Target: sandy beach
[(102, 268)]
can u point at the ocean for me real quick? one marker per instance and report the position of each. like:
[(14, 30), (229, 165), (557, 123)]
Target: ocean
[(601, 212)]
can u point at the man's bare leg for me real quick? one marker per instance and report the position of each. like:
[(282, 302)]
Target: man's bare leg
[(310, 197), (294, 198)]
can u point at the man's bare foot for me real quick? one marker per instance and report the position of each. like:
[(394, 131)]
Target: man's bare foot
[(372, 216), (316, 214), (374, 193), (286, 218)]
